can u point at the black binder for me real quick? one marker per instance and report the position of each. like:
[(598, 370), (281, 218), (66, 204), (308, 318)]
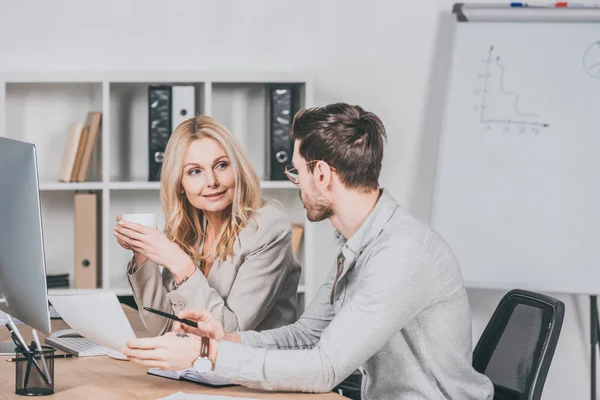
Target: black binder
[(159, 127), (283, 104)]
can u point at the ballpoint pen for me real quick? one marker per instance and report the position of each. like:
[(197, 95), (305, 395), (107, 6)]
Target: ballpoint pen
[(39, 347), (15, 331), (65, 355)]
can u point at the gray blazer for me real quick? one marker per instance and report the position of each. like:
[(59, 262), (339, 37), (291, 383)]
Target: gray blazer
[(255, 289)]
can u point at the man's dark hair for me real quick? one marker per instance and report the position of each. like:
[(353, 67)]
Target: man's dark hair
[(347, 138)]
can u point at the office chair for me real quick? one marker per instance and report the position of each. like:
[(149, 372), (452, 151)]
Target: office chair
[(518, 343), (351, 386)]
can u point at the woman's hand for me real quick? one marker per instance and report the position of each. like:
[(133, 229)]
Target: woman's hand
[(119, 240), (150, 242)]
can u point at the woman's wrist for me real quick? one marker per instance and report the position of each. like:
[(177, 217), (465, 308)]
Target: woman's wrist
[(138, 261), (184, 271)]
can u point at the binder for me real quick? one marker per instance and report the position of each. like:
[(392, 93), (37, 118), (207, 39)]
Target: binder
[(184, 104), (87, 268), (159, 127), (283, 105)]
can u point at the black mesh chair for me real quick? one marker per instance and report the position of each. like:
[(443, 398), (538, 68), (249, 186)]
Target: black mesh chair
[(351, 386), (517, 345)]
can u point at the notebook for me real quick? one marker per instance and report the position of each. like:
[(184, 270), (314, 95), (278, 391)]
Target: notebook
[(191, 375)]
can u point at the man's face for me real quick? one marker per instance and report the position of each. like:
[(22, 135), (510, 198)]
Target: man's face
[(316, 203)]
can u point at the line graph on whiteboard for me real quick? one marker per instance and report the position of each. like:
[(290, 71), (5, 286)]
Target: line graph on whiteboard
[(499, 106)]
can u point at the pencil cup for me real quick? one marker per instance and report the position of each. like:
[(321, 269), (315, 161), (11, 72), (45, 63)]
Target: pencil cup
[(34, 373)]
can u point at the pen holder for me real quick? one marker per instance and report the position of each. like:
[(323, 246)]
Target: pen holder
[(34, 373)]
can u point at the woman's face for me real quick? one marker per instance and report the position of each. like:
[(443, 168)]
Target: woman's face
[(208, 178)]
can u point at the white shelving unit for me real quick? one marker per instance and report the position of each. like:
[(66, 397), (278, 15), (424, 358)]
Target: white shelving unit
[(38, 108)]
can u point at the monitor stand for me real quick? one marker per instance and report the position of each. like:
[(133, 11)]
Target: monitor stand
[(7, 348)]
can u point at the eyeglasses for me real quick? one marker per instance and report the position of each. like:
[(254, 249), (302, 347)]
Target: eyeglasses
[(292, 173)]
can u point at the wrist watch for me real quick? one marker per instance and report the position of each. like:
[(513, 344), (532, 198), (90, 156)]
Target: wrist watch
[(203, 363)]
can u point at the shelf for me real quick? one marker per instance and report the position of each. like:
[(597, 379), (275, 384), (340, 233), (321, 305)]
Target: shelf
[(123, 291), (38, 107), (54, 186), (134, 185), (68, 291), (157, 76), (277, 185)]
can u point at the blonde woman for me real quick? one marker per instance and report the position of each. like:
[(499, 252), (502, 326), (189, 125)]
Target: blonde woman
[(226, 249)]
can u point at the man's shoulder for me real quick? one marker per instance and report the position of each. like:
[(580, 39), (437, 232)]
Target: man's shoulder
[(403, 227), (406, 236)]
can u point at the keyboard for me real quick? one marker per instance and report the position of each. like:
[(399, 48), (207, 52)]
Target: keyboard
[(82, 347)]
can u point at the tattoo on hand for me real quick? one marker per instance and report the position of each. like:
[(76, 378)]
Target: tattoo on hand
[(181, 334)]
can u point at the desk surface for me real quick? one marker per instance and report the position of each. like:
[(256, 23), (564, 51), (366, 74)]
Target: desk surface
[(95, 378)]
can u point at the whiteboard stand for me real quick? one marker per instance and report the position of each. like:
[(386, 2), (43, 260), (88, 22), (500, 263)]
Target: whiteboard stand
[(514, 193), (594, 335)]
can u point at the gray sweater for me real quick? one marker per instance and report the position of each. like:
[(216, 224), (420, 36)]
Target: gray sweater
[(400, 311)]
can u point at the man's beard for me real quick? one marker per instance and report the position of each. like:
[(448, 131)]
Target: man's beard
[(317, 210)]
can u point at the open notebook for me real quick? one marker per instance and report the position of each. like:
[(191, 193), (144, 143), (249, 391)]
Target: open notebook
[(191, 375)]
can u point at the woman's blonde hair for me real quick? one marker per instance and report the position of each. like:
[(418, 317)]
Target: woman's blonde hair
[(183, 221)]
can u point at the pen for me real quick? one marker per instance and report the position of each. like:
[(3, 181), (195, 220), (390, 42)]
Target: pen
[(36, 339), (13, 329), (173, 317), (66, 355)]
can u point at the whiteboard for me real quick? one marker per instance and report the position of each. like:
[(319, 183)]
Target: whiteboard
[(517, 186)]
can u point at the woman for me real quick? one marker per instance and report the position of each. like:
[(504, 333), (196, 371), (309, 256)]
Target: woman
[(226, 249)]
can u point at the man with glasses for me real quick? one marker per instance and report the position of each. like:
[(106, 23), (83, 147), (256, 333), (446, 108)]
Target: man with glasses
[(394, 305)]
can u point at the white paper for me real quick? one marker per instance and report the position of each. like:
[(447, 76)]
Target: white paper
[(98, 317), (191, 396)]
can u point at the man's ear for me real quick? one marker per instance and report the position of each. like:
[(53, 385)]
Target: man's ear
[(322, 175)]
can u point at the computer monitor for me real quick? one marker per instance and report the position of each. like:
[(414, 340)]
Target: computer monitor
[(23, 291)]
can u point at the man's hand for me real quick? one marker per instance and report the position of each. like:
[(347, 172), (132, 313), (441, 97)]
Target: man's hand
[(151, 243), (207, 324), (172, 351)]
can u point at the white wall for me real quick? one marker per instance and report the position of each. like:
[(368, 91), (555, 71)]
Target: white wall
[(377, 54)]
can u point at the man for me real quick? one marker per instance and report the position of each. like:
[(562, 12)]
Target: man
[(394, 304)]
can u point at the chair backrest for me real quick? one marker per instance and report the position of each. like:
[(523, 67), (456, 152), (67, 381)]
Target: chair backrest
[(517, 346)]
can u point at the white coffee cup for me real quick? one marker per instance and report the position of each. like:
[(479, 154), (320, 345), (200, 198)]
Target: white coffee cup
[(142, 219)]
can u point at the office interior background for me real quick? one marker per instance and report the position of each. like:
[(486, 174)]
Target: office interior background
[(378, 54)]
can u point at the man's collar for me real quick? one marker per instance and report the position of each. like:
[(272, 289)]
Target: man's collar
[(373, 225)]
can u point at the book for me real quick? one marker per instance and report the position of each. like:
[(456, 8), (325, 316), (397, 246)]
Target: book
[(297, 231), (191, 375), (92, 131), (70, 151)]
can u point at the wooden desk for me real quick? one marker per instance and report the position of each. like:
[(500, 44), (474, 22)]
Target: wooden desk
[(99, 378)]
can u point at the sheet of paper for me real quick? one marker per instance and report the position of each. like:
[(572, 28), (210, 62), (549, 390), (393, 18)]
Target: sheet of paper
[(190, 396), (98, 317)]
